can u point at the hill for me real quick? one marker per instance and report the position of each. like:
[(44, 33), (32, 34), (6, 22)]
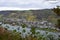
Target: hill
[(44, 13)]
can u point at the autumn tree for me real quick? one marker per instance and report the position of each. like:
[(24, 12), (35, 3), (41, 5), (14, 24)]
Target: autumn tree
[(28, 15)]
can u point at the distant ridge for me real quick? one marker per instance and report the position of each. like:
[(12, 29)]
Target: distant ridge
[(40, 13)]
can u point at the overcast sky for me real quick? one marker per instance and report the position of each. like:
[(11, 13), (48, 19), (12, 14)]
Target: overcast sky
[(41, 4)]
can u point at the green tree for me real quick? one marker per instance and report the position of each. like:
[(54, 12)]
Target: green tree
[(1, 17), (23, 25), (33, 29), (57, 11)]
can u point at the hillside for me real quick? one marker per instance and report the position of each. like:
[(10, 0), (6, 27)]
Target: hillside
[(44, 13)]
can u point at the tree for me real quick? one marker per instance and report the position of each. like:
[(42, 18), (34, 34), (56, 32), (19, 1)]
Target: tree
[(57, 11), (1, 17), (28, 15)]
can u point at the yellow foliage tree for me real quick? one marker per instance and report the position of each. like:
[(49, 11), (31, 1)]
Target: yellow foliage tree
[(29, 16)]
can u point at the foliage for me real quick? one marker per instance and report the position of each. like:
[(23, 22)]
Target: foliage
[(28, 15), (1, 17), (33, 30), (57, 11), (23, 25), (8, 35)]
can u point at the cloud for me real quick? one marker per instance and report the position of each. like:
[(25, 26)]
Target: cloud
[(42, 4)]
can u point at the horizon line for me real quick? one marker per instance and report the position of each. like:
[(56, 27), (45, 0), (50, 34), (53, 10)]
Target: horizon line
[(16, 8)]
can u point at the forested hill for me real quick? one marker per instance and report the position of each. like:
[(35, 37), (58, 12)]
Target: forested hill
[(44, 13)]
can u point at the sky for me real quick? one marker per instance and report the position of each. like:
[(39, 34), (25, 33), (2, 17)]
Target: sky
[(29, 4)]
